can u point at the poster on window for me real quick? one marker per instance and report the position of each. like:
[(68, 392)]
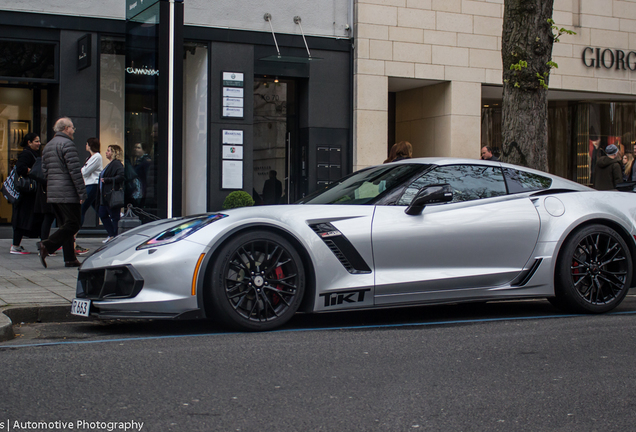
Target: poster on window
[(232, 175), (232, 136), (232, 152)]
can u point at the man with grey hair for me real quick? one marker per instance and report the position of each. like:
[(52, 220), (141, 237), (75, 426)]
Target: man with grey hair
[(65, 191)]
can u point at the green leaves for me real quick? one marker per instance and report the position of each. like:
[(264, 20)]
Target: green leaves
[(560, 31), (519, 65)]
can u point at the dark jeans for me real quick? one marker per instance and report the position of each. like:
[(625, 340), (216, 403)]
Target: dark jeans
[(91, 200), (68, 219), (110, 219)]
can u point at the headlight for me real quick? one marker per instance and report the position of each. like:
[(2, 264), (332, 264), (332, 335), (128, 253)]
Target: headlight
[(180, 231)]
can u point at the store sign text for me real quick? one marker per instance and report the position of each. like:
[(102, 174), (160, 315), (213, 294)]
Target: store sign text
[(142, 71), (608, 58)]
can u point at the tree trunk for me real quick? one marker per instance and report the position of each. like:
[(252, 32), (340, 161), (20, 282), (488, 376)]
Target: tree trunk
[(527, 35)]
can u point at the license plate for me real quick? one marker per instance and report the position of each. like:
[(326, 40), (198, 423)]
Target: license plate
[(80, 307)]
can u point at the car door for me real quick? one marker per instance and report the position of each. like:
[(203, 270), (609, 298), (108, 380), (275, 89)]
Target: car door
[(462, 249)]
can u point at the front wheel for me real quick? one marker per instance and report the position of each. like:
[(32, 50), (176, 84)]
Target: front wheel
[(258, 281), (594, 271)]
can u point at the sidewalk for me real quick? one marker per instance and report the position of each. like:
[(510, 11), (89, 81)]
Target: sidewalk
[(28, 290)]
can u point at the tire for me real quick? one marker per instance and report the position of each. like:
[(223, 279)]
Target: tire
[(593, 272), (258, 281)]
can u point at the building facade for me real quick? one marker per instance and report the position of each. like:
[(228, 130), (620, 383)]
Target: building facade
[(430, 72), (263, 87)]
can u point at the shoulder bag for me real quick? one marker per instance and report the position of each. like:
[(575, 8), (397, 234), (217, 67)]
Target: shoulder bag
[(115, 198), (25, 184)]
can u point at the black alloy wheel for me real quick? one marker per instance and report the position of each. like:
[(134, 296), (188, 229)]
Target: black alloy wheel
[(594, 271), (258, 282)]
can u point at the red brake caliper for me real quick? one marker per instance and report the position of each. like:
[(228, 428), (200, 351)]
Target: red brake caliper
[(576, 270), (279, 275)]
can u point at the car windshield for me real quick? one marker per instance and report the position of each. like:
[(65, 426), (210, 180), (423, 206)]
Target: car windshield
[(365, 186)]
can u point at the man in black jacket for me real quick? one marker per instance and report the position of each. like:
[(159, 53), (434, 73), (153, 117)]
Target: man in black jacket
[(65, 191), (608, 172)]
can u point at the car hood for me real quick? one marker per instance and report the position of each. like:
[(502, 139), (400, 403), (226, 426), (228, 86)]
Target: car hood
[(289, 217)]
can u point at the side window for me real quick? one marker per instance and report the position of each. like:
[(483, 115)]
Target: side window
[(469, 182), (520, 181)]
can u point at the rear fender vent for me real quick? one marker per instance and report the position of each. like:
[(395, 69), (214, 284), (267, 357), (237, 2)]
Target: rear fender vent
[(525, 276)]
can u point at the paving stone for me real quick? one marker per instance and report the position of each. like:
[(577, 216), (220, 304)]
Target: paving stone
[(23, 280)]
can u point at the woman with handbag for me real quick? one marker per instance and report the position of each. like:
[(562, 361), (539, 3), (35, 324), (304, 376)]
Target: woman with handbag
[(111, 196), (24, 221)]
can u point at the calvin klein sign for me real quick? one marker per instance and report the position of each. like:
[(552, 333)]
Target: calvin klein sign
[(609, 58), (84, 52)]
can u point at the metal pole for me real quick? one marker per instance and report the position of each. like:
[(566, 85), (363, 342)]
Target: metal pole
[(170, 105), (268, 17), (297, 21)]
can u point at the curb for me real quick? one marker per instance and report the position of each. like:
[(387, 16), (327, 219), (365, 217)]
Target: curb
[(33, 314)]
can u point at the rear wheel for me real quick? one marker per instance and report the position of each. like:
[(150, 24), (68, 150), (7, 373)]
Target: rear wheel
[(594, 271), (258, 281)]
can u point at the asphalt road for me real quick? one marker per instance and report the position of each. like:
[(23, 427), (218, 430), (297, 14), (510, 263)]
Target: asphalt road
[(498, 367)]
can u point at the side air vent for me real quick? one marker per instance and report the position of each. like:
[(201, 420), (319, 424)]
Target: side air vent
[(525, 276), (341, 248)]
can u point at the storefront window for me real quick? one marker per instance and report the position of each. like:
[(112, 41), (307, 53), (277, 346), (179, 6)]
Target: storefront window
[(599, 124), (111, 92), (195, 130), (16, 120), (141, 110), (28, 61), (575, 130)]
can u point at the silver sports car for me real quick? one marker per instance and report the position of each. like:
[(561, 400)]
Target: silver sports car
[(419, 231)]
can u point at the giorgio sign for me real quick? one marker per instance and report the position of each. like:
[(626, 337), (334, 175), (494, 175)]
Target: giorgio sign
[(609, 58)]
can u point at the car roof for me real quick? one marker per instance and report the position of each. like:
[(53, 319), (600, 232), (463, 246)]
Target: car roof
[(442, 161)]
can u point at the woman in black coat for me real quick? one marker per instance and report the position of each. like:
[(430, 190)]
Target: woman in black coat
[(24, 221), (112, 177)]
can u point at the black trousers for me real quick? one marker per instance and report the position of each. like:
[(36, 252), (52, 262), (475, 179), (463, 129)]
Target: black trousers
[(68, 220)]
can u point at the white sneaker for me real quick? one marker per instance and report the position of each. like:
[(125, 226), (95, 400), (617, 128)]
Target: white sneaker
[(18, 250), (107, 239)]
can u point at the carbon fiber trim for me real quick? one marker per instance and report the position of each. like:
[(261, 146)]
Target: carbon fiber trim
[(525, 276)]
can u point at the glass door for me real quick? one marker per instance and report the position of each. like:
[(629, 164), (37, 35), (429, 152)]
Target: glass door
[(279, 159)]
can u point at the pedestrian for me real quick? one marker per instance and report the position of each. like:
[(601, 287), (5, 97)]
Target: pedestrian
[(65, 191), (272, 189), (24, 221), (90, 172), (608, 172), (487, 154), (594, 145), (111, 178), (399, 151)]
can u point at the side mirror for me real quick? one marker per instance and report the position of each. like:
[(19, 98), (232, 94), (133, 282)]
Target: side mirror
[(429, 195)]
